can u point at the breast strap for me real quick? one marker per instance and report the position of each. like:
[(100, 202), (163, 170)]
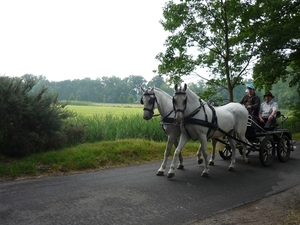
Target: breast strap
[(213, 125)]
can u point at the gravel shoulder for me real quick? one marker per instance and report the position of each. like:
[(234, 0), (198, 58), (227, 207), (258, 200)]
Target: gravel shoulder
[(282, 208)]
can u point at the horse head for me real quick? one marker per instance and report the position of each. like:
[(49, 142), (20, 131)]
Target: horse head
[(179, 102), (148, 100)]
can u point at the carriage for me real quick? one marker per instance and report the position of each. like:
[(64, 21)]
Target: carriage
[(188, 116), (268, 143)]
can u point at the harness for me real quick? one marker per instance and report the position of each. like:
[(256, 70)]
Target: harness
[(212, 125)]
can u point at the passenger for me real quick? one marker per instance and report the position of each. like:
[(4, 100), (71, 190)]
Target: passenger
[(267, 112), (251, 101)]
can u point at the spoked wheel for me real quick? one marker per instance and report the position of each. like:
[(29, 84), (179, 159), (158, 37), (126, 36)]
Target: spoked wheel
[(226, 153), (284, 148), (267, 151)]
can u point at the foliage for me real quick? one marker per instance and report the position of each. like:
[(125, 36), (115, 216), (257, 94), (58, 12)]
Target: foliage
[(29, 122), (206, 34), (276, 23), (101, 90)]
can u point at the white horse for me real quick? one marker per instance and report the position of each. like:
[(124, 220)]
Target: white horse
[(155, 98), (200, 121)]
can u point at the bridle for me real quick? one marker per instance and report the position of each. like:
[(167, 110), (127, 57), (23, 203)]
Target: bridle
[(193, 113), (185, 102), (151, 101)]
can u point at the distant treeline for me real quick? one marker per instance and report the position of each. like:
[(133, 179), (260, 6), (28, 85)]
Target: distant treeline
[(116, 90)]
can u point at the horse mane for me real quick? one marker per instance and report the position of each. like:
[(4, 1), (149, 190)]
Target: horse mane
[(161, 91), (190, 92)]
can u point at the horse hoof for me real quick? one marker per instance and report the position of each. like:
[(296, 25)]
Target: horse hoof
[(200, 161), (204, 174), (211, 163), (170, 175), (231, 168), (159, 173), (180, 167)]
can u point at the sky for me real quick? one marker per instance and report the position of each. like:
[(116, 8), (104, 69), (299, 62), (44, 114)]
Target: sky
[(75, 39)]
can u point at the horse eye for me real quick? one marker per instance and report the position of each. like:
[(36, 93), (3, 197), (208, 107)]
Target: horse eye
[(174, 101)]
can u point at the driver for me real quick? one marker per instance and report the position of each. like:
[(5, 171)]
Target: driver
[(251, 101)]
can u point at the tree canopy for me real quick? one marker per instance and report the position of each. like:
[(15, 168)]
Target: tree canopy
[(278, 34), (206, 34), (229, 38)]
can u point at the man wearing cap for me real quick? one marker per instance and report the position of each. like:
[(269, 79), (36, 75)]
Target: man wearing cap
[(267, 112), (251, 101)]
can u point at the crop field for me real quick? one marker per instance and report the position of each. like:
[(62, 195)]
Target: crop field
[(107, 109), (108, 122)]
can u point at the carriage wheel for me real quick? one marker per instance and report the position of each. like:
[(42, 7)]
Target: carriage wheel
[(267, 151), (284, 148), (226, 153)]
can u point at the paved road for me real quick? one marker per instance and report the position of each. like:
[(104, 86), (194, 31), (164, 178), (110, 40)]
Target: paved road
[(135, 195)]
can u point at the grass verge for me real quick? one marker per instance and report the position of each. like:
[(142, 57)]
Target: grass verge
[(88, 156)]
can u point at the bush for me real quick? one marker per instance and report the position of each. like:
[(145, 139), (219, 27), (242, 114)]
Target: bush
[(30, 122)]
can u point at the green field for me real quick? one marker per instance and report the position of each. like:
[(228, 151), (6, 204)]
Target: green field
[(107, 109)]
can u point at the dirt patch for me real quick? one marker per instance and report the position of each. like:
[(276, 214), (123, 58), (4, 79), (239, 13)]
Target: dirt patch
[(279, 209)]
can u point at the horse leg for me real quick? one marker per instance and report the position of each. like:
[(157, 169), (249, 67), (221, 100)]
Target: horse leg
[(180, 164), (213, 153), (233, 148), (183, 140), (203, 149), (169, 145), (199, 155), (244, 157)]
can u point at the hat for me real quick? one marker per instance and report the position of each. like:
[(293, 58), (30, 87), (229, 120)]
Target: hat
[(250, 86), (269, 94)]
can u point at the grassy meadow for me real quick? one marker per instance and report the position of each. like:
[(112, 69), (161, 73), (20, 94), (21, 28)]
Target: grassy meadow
[(107, 109)]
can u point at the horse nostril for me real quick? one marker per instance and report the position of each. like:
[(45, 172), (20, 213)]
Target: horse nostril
[(146, 117)]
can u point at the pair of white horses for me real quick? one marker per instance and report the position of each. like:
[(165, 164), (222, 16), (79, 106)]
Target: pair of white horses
[(189, 117)]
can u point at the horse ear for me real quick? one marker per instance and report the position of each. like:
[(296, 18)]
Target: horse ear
[(176, 86), (185, 87), (141, 101), (143, 89), (152, 89)]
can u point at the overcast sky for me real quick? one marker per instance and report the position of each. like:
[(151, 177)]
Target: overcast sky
[(74, 39)]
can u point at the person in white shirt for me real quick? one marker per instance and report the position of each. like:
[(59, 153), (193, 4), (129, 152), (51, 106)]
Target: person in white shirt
[(267, 112)]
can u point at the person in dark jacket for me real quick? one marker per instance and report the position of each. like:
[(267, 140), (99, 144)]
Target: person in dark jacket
[(251, 101)]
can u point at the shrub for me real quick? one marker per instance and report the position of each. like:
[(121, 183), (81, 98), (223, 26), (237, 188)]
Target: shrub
[(30, 122)]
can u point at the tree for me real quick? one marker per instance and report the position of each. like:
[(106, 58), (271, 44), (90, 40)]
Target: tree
[(99, 97), (207, 34), (156, 81), (121, 99), (71, 98), (131, 99), (276, 23)]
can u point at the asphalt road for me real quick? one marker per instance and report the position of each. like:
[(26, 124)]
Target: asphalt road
[(135, 195)]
